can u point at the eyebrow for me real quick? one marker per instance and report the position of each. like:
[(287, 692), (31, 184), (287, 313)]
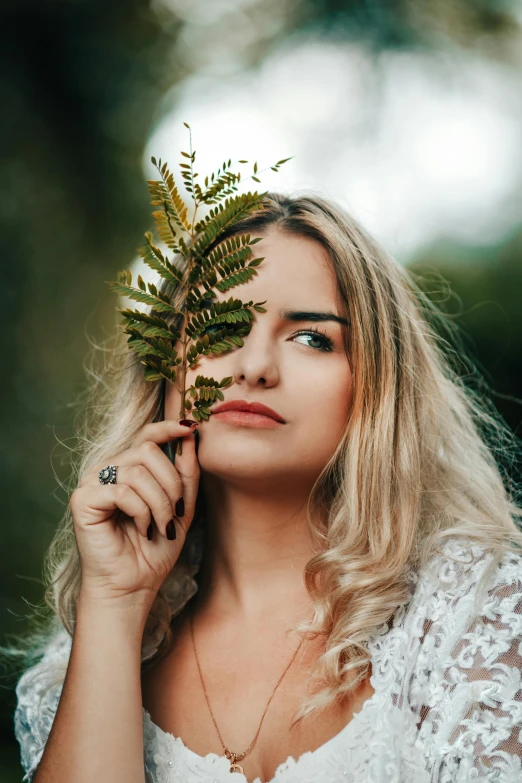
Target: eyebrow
[(307, 315)]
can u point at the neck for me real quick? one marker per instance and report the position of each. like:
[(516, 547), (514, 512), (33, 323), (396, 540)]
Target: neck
[(256, 549)]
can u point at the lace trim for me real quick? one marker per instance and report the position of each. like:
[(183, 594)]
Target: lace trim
[(447, 706)]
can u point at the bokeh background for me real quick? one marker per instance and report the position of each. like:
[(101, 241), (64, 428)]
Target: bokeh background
[(409, 112)]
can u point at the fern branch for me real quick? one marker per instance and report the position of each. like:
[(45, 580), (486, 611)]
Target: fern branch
[(165, 193), (209, 326), (155, 259), (234, 210)]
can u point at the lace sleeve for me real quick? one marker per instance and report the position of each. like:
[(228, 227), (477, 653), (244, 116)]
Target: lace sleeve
[(471, 724), (38, 693)]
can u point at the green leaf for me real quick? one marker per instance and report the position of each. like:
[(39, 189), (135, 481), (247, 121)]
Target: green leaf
[(218, 220), (141, 296), (155, 259), (151, 375), (210, 327)]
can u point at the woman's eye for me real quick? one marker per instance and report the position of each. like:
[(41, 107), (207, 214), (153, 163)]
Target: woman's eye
[(321, 339), (324, 342)]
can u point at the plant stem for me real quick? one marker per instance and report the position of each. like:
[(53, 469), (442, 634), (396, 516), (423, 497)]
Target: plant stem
[(182, 412)]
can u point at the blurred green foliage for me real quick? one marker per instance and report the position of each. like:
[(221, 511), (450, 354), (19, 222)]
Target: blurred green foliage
[(81, 86), (79, 89), (413, 24), (479, 289)]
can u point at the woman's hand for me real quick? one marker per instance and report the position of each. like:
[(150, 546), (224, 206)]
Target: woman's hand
[(120, 563)]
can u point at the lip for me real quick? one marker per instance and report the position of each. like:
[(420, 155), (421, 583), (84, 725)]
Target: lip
[(249, 407)]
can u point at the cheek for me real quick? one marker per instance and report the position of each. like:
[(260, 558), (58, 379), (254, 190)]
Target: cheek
[(343, 393), (323, 410), (328, 389)]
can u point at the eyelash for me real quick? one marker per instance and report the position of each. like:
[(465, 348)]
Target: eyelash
[(326, 341)]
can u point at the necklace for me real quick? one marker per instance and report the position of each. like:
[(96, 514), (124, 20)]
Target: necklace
[(231, 756)]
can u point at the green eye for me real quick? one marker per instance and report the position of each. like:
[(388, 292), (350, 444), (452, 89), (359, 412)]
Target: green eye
[(325, 343)]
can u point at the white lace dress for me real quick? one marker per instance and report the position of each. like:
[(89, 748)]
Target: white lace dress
[(447, 704)]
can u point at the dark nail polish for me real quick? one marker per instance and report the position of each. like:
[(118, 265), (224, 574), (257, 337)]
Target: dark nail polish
[(180, 507), (187, 422), (171, 530), (149, 532)]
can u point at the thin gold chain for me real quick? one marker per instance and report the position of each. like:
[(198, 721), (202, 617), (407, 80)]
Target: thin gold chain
[(229, 754)]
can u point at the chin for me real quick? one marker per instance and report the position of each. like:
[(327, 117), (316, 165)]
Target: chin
[(241, 454)]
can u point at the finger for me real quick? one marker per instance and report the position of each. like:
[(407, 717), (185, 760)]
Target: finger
[(163, 431), (187, 465), (145, 484), (94, 505), (155, 432), (176, 487)]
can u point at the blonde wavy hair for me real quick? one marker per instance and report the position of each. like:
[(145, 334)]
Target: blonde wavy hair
[(417, 463)]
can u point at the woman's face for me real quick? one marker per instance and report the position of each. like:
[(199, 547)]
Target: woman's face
[(305, 378)]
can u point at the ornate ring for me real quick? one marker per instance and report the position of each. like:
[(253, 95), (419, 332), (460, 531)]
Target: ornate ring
[(108, 475)]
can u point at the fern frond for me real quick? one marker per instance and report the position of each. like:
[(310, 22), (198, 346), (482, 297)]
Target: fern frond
[(209, 327), (231, 311), (225, 215), (154, 325), (224, 185), (162, 348), (157, 366), (165, 193), (228, 257), (205, 391), (155, 259), (132, 317), (156, 300), (153, 373), (188, 174)]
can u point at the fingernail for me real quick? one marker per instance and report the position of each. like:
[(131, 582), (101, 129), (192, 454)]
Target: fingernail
[(187, 423), (171, 530), (149, 532), (180, 507)]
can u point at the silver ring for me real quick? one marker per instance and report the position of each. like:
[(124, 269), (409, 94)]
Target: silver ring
[(108, 475)]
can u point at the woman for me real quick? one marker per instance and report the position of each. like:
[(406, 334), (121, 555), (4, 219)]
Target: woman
[(339, 594)]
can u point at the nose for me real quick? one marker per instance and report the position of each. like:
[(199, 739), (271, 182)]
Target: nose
[(256, 363)]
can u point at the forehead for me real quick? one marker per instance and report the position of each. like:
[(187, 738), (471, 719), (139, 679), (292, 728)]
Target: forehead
[(295, 271)]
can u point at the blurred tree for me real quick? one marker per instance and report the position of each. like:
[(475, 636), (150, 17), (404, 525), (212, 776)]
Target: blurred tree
[(81, 83), (79, 89), (480, 289), (421, 23)]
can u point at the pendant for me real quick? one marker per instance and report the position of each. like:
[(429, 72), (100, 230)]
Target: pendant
[(232, 758)]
